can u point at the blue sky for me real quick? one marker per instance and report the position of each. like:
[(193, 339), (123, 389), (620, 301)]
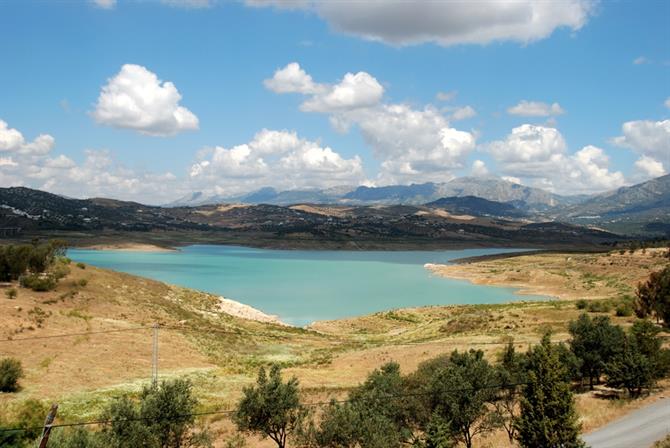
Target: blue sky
[(590, 82)]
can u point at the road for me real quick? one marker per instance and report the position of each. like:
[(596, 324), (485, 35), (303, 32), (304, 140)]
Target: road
[(639, 429)]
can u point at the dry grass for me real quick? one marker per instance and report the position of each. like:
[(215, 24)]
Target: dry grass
[(565, 276), (221, 353)]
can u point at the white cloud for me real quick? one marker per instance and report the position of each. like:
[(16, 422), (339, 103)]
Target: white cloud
[(190, 4), (535, 109), (32, 164), (648, 168), (273, 158), (512, 179), (646, 137), (12, 140), (667, 102), (411, 144), (136, 99), (640, 60), (446, 96), (538, 156), (479, 169), (105, 4), (444, 22), (292, 79), (352, 92), (463, 113)]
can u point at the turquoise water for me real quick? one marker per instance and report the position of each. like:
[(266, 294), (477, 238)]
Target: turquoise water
[(303, 286)]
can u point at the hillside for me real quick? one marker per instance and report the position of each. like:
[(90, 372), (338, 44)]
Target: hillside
[(641, 208), (473, 205), (220, 353), (462, 222)]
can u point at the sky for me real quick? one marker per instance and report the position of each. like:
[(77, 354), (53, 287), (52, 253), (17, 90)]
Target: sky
[(153, 100)]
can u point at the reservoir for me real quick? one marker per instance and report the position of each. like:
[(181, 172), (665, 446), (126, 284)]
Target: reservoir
[(302, 286)]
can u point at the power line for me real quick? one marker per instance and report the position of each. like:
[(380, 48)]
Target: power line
[(228, 411), (65, 335)]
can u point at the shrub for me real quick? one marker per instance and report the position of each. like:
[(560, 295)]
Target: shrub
[(624, 310), (581, 304), (653, 297), (11, 293), (82, 282), (599, 306), (81, 265), (10, 373), (38, 282)]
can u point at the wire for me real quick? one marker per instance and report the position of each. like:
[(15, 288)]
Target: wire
[(65, 335), (224, 412)]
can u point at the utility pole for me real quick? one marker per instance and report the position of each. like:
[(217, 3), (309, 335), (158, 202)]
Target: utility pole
[(51, 416), (154, 357)]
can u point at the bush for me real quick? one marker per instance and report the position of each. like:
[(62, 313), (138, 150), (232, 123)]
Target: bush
[(624, 310), (653, 297), (599, 306), (10, 373), (83, 282), (11, 293), (38, 282), (81, 265), (581, 304)]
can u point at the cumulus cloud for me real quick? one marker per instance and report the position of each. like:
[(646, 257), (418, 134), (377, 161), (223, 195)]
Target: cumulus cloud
[(651, 138), (446, 23), (535, 109), (105, 4), (411, 144), (648, 168), (136, 99), (539, 156), (463, 113), (33, 164), (273, 158), (479, 169), (11, 140), (352, 92)]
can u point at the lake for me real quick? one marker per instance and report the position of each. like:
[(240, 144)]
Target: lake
[(304, 286)]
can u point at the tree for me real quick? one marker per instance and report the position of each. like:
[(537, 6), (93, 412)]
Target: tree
[(510, 373), (162, 419), (375, 415), (630, 370), (653, 296), (10, 373), (271, 408), (461, 393), (29, 414), (548, 418), (641, 362), (168, 410), (595, 342)]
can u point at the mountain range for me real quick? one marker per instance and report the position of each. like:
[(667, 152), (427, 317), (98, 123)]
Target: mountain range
[(463, 209)]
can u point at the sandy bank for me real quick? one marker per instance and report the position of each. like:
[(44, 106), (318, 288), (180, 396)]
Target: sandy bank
[(243, 311), (562, 275)]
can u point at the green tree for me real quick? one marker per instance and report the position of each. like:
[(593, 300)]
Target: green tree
[(653, 296), (630, 370), (168, 410), (510, 373), (163, 418), (375, 415), (548, 418), (10, 373), (595, 342), (271, 408), (75, 438), (461, 393)]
